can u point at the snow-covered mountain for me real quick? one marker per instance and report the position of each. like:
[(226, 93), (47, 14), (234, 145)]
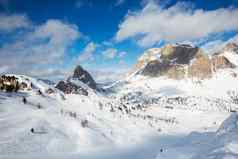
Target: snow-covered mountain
[(172, 105), (179, 61), (81, 82)]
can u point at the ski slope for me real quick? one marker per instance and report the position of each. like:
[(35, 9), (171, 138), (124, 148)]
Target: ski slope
[(122, 123)]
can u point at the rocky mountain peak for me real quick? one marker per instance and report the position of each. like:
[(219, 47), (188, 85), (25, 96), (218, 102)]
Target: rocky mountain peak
[(180, 61), (232, 47), (78, 83), (84, 76), (227, 55), (180, 53)]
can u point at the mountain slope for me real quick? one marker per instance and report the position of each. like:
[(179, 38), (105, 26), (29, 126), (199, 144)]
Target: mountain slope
[(97, 123), (142, 117), (184, 61), (81, 82)]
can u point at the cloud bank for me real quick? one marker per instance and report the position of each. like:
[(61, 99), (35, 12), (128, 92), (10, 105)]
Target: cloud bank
[(39, 47), (87, 53), (109, 53), (177, 23), (10, 23)]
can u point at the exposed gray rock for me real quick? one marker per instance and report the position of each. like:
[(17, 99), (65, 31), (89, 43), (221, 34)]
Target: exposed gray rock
[(71, 88), (175, 60), (155, 68), (84, 76), (179, 54)]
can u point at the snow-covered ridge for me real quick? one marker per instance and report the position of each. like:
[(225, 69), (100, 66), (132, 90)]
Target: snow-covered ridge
[(184, 61), (150, 54), (141, 117), (30, 81), (232, 57)]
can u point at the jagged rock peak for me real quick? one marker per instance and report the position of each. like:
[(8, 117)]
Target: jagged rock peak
[(175, 61), (231, 47), (165, 56), (84, 76), (69, 87), (179, 53)]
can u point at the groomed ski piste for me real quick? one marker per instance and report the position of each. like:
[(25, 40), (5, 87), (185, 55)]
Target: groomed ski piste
[(140, 118)]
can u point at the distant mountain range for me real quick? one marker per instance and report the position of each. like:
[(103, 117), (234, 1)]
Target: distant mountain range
[(184, 61), (177, 94)]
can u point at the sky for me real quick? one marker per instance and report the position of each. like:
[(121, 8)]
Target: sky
[(48, 38)]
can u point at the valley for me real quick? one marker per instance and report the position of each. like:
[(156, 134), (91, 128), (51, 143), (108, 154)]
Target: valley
[(140, 116)]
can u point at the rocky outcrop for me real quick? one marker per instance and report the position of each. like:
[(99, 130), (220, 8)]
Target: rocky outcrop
[(180, 61), (155, 68), (147, 56), (227, 57), (231, 47), (176, 72), (71, 88), (221, 62), (79, 83), (9, 83), (83, 76), (200, 67), (178, 54)]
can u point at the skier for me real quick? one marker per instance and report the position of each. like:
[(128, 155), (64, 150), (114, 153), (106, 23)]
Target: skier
[(39, 92), (24, 100), (161, 150), (32, 130)]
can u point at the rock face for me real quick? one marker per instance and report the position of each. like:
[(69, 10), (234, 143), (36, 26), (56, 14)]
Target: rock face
[(76, 83), (84, 76), (178, 54), (155, 68), (176, 72), (180, 61), (9, 83), (226, 57), (71, 88), (232, 47), (200, 68), (148, 55), (221, 62)]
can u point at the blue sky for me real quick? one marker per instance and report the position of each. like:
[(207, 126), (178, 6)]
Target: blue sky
[(49, 37)]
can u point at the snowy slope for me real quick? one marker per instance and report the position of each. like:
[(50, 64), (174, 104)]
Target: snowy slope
[(232, 57), (132, 119), (221, 144)]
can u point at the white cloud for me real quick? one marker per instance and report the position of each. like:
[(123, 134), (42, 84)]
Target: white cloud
[(87, 53), (104, 75), (122, 54), (38, 47), (121, 62), (49, 73), (109, 53), (177, 23), (107, 43), (119, 2), (10, 23)]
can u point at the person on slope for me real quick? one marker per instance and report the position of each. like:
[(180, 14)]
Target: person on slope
[(24, 100)]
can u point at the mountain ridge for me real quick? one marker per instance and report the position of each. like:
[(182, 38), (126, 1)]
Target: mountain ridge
[(184, 61)]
